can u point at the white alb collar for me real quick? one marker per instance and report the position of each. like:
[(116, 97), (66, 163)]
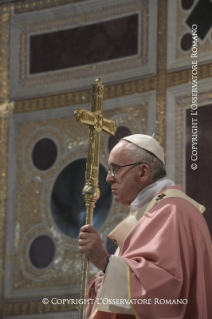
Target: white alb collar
[(149, 192)]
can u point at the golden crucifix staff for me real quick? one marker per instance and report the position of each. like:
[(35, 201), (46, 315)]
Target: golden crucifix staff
[(90, 191)]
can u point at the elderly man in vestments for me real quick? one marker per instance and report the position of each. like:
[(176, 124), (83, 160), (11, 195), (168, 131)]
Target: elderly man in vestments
[(162, 267)]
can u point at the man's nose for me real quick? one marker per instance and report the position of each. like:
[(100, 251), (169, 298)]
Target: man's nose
[(110, 178)]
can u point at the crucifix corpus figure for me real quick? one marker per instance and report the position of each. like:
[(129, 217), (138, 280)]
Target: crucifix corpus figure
[(97, 123)]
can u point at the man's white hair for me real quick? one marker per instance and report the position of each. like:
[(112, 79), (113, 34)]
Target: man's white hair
[(139, 154)]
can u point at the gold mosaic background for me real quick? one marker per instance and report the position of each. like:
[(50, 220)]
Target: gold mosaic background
[(160, 82)]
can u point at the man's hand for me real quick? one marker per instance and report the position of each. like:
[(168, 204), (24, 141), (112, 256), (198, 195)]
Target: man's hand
[(90, 243)]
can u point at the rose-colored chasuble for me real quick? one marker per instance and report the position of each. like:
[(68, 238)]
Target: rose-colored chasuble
[(164, 265)]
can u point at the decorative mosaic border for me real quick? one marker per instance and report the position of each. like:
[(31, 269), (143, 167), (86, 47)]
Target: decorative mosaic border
[(24, 25), (33, 5), (23, 252), (30, 169), (6, 109)]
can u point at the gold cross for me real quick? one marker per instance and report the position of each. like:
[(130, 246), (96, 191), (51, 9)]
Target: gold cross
[(97, 123)]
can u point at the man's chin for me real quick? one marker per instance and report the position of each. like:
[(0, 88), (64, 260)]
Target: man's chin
[(117, 198)]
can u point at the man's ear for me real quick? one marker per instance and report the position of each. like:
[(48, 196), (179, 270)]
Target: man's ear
[(145, 172)]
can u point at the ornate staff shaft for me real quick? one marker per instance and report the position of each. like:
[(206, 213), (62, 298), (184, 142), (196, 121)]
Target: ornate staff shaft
[(90, 191)]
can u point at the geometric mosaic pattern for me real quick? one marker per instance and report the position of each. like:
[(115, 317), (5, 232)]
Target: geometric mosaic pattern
[(30, 189)]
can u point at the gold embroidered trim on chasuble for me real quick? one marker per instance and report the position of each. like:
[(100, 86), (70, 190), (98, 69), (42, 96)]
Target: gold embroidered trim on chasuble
[(119, 233)]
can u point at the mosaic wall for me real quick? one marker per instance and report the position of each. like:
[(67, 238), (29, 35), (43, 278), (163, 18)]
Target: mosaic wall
[(29, 208), (25, 190)]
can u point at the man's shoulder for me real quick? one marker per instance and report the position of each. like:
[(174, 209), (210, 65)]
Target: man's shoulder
[(176, 197), (174, 188), (175, 203), (178, 210), (169, 201)]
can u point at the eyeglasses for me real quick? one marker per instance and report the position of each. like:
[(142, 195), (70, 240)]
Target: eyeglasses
[(115, 169)]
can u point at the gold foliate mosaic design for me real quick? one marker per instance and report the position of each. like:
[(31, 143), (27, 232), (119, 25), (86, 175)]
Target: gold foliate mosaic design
[(110, 91)]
